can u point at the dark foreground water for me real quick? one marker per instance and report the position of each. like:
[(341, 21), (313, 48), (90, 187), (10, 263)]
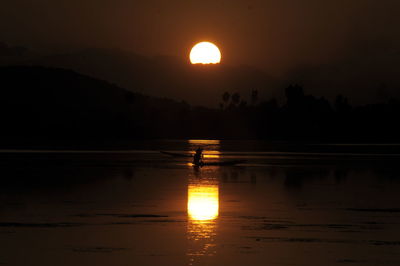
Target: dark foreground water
[(324, 205)]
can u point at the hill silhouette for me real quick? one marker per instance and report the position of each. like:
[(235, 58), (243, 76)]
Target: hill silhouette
[(359, 77), (40, 104), (160, 76), (43, 106)]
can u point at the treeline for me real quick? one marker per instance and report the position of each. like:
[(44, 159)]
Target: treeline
[(306, 117), (45, 105)]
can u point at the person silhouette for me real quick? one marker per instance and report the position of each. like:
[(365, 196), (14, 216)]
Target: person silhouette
[(198, 157)]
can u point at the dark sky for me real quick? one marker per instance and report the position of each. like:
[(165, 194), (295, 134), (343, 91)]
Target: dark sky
[(300, 39)]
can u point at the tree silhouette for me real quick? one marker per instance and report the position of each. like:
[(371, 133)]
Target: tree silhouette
[(226, 97), (341, 104), (254, 97), (294, 96), (236, 98), (225, 100)]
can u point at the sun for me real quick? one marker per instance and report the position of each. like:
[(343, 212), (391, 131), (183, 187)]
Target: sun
[(205, 53)]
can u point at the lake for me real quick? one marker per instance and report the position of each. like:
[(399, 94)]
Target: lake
[(304, 204)]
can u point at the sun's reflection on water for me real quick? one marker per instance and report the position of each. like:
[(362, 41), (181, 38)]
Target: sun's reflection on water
[(203, 210), (203, 202)]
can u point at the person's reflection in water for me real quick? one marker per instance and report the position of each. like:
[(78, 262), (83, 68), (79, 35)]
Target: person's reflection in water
[(203, 210)]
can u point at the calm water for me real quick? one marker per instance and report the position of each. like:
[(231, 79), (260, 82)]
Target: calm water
[(286, 206)]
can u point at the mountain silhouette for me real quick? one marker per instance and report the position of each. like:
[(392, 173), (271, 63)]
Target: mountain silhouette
[(161, 76), (43, 103), (42, 106), (359, 77)]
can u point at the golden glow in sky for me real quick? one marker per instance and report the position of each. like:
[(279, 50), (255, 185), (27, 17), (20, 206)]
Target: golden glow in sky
[(205, 53)]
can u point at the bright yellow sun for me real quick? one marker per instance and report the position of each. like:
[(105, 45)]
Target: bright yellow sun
[(205, 53)]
